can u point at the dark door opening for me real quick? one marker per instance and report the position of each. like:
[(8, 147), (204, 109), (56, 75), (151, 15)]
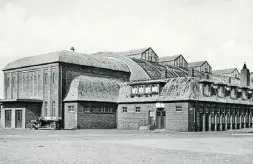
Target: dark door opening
[(8, 118), (160, 119), (18, 119)]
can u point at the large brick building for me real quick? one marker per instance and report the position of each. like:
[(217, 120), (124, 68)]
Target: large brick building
[(125, 90)]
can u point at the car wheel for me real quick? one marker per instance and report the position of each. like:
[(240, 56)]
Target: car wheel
[(29, 126), (53, 126)]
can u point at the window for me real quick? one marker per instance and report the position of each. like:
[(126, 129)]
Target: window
[(53, 109), (46, 77), (154, 88), (221, 91), (86, 109), (106, 109), (206, 69), (134, 89), (137, 109), (207, 89), (8, 82), (233, 93), (141, 89), (71, 108), (14, 81), (147, 89), (179, 108), (54, 77), (124, 109), (244, 94), (46, 107), (110, 110)]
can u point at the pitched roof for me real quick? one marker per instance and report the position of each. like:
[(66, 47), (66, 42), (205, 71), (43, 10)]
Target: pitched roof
[(69, 57), (168, 58), (196, 64), (224, 71), (187, 88), (137, 72), (133, 52), (87, 88)]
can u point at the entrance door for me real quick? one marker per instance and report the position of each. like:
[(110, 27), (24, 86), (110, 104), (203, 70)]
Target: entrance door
[(8, 118), (18, 119), (160, 119)]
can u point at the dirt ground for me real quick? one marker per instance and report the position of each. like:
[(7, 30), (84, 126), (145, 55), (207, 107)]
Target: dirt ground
[(119, 147)]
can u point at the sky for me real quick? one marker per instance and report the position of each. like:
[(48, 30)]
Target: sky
[(218, 31)]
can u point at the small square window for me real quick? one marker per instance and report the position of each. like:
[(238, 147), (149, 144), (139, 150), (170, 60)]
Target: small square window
[(124, 109), (138, 109), (71, 108), (179, 108)]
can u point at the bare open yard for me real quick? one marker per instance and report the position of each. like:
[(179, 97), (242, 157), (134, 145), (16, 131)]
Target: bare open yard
[(113, 146)]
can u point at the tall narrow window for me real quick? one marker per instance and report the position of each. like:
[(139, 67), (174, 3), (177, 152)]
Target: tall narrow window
[(14, 81), (46, 107), (8, 82), (46, 77), (53, 109), (54, 77)]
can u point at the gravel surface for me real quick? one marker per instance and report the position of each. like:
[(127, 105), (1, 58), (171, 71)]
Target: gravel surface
[(115, 146)]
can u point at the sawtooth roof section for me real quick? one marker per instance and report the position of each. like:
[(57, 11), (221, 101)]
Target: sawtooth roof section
[(196, 64), (152, 69), (155, 70), (69, 57), (168, 58), (224, 71), (86, 88)]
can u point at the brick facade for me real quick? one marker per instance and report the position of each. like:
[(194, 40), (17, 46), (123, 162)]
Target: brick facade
[(83, 118), (35, 82), (132, 119), (176, 120)]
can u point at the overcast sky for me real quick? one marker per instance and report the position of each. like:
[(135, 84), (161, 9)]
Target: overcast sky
[(219, 31)]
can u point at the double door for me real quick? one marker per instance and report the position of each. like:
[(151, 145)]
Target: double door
[(18, 118)]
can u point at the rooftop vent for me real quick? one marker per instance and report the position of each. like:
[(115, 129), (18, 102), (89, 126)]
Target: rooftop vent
[(72, 49)]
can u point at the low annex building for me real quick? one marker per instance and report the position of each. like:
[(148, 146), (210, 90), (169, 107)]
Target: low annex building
[(125, 90)]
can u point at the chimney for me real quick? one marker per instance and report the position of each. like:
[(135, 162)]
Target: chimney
[(191, 72), (245, 76)]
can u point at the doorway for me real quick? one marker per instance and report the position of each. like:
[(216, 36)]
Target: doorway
[(160, 119), (8, 118), (18, 119)]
